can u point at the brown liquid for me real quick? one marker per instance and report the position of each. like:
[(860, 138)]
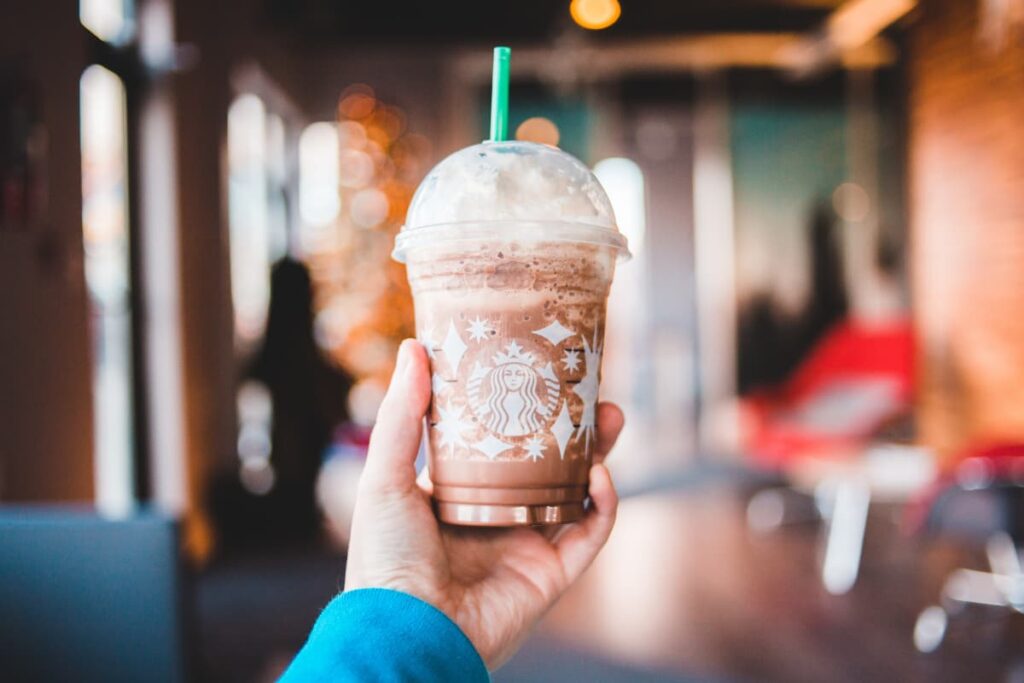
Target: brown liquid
[(515, 334)]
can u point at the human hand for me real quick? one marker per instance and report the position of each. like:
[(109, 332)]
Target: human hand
[(494, 583)]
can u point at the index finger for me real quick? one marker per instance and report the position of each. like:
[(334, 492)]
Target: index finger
[(609, 424), (579, 543)]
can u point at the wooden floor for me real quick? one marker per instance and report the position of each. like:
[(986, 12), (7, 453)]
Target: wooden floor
[(684, 591)]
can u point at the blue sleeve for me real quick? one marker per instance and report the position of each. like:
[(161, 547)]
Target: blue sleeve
[(375, 634)]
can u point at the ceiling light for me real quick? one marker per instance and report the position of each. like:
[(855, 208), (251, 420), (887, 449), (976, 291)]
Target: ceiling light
[(595, 14)]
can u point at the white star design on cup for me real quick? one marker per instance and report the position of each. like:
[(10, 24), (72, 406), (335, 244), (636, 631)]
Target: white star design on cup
[(555, 333), (451, 425), (479, 329), (563, 429), (453, 347), (534, 448), (587, 390)]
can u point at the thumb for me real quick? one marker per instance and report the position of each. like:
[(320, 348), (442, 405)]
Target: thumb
[(395, 441)]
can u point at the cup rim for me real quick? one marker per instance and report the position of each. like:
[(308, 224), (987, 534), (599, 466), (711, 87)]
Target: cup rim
[(571, 232)]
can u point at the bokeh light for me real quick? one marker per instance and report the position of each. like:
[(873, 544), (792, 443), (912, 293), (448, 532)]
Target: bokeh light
[(851, 202), (369, 208), (392, 121), (351, 135), (538, 129), (364, 401), (357, 102), (257, 476), (595, 14), (319, 168), (362, 301), (355, 168)]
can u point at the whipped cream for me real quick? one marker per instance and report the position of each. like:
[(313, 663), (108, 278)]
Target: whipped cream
[(510, 181)]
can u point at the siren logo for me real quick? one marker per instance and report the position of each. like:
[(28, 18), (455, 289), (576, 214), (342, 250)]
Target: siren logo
[(512, 389), (515, 396)]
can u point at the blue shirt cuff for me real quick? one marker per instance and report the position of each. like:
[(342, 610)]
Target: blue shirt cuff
[(375, 634)]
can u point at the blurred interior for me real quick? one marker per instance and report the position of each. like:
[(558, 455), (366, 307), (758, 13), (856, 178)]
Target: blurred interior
[(818, 343)]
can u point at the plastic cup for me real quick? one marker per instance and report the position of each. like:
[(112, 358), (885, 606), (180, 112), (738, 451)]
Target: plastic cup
[(510, 249)]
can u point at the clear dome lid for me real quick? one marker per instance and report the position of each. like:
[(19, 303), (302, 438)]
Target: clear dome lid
[(510, 189)]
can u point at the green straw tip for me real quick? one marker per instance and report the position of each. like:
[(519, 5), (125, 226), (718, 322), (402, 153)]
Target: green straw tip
[(499, 94)]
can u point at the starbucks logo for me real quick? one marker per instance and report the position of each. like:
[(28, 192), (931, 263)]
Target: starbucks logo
[(510, 389), (513, 395)]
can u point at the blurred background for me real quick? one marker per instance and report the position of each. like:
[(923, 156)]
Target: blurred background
[(818, 345)]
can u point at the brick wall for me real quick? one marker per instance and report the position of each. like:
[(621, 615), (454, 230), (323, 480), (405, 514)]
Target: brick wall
[(967, 221)]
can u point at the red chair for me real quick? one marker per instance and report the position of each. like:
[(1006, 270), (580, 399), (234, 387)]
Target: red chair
[(818, 429), (857, 379)]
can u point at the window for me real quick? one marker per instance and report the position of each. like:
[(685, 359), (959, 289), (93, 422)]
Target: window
[(319, 199), (108, 280), (257, 213), (624, 182), (109, 20), (139, 454), (247, 215), (628, 367)]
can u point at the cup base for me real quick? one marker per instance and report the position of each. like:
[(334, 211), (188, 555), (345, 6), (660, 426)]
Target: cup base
[(480, 514)]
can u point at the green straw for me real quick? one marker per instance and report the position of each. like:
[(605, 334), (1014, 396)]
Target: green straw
[(499, 94)]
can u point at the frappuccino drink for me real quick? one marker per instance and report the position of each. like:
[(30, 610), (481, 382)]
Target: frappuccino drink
[(510, 249)]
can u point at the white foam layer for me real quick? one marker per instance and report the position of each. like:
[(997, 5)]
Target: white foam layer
[(510, 181)]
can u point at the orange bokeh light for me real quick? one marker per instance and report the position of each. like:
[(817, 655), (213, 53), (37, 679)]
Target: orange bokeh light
[(538, 129), (595, 14), (357, 102)]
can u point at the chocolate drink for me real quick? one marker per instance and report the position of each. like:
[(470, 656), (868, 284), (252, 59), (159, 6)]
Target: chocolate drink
[(511, 310), (514, 335)]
